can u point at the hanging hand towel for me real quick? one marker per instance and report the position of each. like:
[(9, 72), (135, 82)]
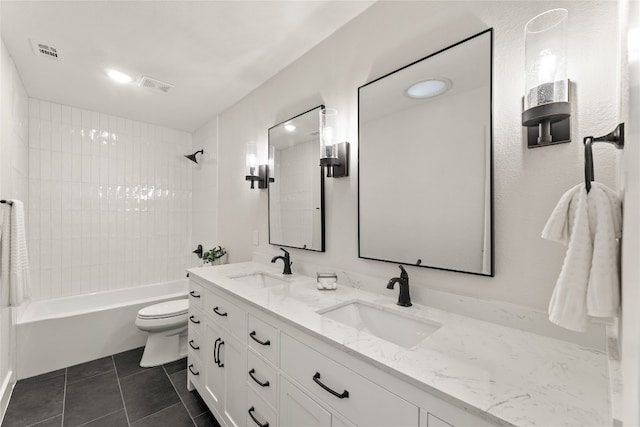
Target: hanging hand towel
[(588, 285), (569, 225), (605, 224), (14, 260)]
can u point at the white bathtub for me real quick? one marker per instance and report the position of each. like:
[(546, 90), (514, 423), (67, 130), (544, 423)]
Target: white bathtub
[(61, 332)]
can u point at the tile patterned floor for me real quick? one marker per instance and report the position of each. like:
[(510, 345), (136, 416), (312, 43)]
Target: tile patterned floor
[(110, 392)]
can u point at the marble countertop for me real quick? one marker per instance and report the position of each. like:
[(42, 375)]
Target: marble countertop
[(505, 375)]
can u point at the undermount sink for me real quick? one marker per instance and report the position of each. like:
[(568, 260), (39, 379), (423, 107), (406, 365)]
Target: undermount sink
[(403, 330), (260, 279)]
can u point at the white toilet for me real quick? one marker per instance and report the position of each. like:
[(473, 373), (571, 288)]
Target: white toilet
[(166, 324)]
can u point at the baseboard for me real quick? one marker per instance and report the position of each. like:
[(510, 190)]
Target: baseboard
[(5, 393)]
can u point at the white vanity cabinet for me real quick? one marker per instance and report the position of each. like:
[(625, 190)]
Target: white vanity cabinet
[(256, 369)]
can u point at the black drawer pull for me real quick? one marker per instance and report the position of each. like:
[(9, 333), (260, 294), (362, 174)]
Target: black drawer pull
[(194, 321), (253, 337), (316, 379), (215, 349), (192, 371), (193, 346), (251, 410), (215, 310), (219, 362), (194, 294), (264, 384)]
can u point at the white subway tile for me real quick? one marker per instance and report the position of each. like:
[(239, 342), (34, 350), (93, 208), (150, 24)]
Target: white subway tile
[(45, 110), (56, 166), (66, 138), (34, 133), (45, 253), (65, 114), (66, 281), (67, 165), (34, 108), (45, 135), (56, 137), (45, 165), (76, 280)]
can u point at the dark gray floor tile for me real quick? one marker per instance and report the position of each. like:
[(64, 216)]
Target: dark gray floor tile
[(35, 401), (46, 376), (206, 420), (115, 419), (89, 369), (128, 362), (192, 400), (51, 422), (91, 398), (173, 416), (147, 392), (176, 366)]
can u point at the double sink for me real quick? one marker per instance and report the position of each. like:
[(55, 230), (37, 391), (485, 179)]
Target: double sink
[(387, 324)]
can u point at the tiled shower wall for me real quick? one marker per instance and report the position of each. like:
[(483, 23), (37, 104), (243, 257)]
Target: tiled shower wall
[(109, 201)]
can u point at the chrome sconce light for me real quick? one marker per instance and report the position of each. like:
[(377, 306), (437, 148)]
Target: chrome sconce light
[(254, 171), (333, 155), (192, 157), (546, 110)]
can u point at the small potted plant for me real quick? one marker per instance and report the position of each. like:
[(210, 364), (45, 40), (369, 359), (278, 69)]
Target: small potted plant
[(215, 256)]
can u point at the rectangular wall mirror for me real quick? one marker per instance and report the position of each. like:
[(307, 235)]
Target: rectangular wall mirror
[(296, 184), (425, 161)]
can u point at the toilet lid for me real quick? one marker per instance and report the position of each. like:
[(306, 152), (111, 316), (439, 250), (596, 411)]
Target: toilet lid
[(165, 309)]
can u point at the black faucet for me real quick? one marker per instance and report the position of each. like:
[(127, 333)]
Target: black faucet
[(403, 299), (286, 259)]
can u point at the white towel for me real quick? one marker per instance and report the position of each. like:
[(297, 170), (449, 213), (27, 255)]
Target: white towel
[(14, 259), (588, 285)]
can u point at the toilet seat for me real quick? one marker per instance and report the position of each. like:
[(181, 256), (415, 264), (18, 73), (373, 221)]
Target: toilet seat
[(165, 310)]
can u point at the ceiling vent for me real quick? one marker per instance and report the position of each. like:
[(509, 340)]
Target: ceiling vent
[(155, 84), (46, 50)]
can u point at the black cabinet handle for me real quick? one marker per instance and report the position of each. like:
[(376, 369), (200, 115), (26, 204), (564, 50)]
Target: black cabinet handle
[(193, 346), (251, 410), (253, 337), (261, 384), (194, 321), (219, 362), (215, 348), (193, 294), (192, 371), (215, 310), (316, 379)]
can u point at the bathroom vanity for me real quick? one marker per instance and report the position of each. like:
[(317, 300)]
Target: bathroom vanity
[(271, 350)]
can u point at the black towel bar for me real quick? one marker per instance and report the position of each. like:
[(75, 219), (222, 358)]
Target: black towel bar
[(616, 137)]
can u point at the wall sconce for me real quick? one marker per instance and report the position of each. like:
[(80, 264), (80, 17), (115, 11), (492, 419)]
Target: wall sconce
[(254, 171), (334, 156), (547, 110)]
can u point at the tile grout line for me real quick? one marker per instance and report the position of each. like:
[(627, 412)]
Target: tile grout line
[(179, 396), (41, 421), (100, 417), (64, 396), (124, 405)]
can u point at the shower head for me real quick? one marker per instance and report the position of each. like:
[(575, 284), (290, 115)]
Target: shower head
[(192, 157)]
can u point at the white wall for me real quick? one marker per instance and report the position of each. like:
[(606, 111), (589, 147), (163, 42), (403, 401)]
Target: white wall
[(14, 166), (205, 188), (110, 201), (630, 106), (528, 183)]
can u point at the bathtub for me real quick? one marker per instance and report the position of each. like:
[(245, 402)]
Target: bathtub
[(62, 332)]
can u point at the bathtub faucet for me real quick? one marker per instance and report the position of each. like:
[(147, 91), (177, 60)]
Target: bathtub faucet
[(286, 259), (403, 299)]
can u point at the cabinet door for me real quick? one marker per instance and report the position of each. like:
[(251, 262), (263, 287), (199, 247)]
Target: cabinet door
[(233, 357), (214, 375), (297, 409)]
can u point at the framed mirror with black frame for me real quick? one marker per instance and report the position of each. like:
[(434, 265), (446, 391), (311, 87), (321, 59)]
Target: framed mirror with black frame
[(425, 161), (296, 183)]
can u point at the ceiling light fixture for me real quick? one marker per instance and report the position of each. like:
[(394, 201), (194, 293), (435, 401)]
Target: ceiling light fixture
[(119, 76), (428, 88)]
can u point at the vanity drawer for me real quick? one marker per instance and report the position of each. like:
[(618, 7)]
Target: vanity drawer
[(194, 344), (194, 321), (358, 399), (262, 377), (258, 412), (195, 295), (226, 314), (194, 368), (264, 339)]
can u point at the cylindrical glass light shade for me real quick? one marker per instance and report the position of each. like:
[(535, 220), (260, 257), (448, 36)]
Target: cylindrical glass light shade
[(272, 164), (546, 59), (328, 120), (252, 159)]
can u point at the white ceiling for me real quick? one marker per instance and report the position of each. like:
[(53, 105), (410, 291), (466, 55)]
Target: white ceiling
[(214, 52)]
